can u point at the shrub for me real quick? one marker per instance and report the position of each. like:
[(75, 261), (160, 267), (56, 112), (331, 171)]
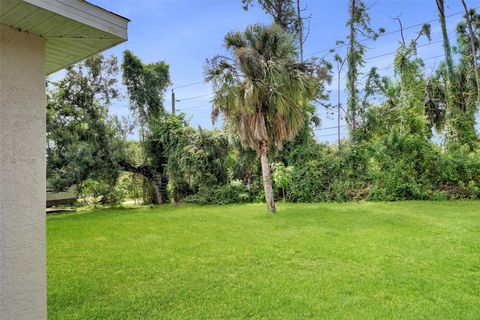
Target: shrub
[(401, 167), (95, 192), (233, 192), (459, 174)]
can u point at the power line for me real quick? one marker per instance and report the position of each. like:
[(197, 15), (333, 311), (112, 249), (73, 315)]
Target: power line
[(394, 52), (385, 34), (196, 107), (344, 45), (333, 80), (391, 66), (195, 97), (335, 127), (366, 59), (330, 135), (188, 85)]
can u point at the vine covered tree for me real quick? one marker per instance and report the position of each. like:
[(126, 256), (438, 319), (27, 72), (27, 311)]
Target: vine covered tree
[(472, 24), (461, 105), (446, 41), (288, 15), (146, 85), (359, 25), (283, 12), (261, 90), (466, 98)]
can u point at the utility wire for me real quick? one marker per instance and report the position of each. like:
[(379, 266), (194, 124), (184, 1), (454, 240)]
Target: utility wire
[(394, 52), (196, 107), (345, 44), (391, 66), (366, 59), (334, 79), (188, 85), (329, 135), (196, 97), (335, 127), (386, 33)]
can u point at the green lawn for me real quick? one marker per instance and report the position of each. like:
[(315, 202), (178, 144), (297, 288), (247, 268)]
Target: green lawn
[(407, 260)]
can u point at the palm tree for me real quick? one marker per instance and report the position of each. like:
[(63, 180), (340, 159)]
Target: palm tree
[(261, 90)]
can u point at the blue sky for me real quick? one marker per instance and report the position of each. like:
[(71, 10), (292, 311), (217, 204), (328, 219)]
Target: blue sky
[(185, 33)]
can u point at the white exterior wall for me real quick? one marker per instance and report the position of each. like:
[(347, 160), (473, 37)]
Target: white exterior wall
[(22, 176)]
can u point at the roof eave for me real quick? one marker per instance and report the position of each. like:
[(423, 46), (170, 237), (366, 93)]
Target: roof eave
[(88, 14)]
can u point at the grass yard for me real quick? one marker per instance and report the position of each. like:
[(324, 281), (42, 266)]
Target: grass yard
[(407, 260)]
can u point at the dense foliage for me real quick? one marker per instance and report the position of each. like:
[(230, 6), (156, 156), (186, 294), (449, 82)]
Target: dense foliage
[(83, 140), (414, 134)]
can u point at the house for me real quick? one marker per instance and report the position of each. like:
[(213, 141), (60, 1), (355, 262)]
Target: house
[(37, 38)]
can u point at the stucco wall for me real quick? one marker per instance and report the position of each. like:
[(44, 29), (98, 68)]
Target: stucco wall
[(22, 176)]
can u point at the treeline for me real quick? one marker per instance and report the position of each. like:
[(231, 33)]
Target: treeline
[(411, 136)]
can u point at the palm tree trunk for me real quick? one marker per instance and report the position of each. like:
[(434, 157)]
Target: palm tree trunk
[(267, 177)]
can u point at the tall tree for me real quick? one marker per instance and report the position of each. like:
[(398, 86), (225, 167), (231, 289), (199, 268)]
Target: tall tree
[(287, 14), (146, 85), (446, 41), (283, 12), (358, 24), (470, 17), (83, 141), (262, 90), (460, 116), (300, 29), (340, 62)]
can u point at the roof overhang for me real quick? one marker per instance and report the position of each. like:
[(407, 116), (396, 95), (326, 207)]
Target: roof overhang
[(73, 29)]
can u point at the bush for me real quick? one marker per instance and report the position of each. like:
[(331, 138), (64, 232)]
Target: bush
[(309, 182), (331, 175), (459, 174), (401, 167), (233, 192), (95, 192)]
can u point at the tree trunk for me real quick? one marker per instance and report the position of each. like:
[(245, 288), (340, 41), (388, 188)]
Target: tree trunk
[(157, 185), (160, 184), (352, 69), (339, 105), (446, 42), (453, 132), (157, 180), (148, 190), (267, 177), (300, 29), (473, 48)]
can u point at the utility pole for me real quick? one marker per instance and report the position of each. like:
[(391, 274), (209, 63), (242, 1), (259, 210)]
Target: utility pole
[(173, 102), (338, 128)]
